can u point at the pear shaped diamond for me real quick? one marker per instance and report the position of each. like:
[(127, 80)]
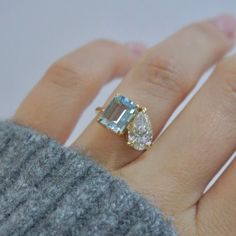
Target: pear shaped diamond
[(140, 133)]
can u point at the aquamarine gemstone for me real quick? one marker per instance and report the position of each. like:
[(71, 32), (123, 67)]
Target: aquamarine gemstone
[(120, 111)]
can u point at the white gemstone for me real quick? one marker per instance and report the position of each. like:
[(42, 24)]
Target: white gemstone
[(140, 132)]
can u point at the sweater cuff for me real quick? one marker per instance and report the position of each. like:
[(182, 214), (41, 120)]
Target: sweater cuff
[(49, 189)]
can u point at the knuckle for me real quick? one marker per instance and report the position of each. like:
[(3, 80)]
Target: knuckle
[(103, 42), (105, 45), (203, 29), (207, 32), (164, 76), (62, 74)]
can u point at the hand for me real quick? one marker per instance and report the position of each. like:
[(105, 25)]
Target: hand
[(174, 172)]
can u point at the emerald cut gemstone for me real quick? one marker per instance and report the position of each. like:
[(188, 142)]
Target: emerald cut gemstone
[(119, 112)]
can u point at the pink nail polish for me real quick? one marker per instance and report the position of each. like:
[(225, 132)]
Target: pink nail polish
[(227, 24), (136, 48)]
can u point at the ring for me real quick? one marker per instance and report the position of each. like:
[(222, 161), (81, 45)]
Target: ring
[(125, 117)]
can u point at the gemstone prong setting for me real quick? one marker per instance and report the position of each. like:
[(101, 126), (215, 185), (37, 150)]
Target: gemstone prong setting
[(124, 116)]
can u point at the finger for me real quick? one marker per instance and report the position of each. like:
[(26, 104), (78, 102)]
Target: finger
[(197, 144), (218, 206), (56, 102), (159, 82)]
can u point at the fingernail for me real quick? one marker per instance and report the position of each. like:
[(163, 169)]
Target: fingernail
[(137, 48), (227, 24)]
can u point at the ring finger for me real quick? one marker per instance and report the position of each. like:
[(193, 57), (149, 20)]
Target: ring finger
[(160, 81)]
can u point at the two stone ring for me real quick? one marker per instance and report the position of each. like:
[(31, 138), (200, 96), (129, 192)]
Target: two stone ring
[(125, 117)]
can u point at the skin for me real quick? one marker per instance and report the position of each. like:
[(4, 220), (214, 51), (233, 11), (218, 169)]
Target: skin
[(175, 171)]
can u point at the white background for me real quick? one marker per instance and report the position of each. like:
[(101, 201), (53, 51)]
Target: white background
[(33, 34)]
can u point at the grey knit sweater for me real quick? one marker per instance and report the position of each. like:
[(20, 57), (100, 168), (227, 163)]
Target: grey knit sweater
[(48, 189)]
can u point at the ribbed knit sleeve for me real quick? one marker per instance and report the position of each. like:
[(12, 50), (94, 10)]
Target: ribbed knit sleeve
[(49, 189)]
